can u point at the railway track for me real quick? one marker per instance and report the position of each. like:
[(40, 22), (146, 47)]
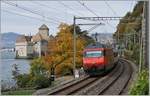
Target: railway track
[(111, 84), (101, 84), (70, 89), (117, 86)]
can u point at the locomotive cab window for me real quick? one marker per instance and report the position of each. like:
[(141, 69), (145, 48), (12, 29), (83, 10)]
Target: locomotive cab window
[(93, 54)]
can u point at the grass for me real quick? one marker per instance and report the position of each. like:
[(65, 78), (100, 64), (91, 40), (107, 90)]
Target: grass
[(30, 91), (141, 87), (19, 92)]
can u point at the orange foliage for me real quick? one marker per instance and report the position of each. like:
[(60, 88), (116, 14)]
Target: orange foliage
[(61, 50)]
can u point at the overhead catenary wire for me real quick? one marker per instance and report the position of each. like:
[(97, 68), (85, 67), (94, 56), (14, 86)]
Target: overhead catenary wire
[(70, 8), (93, 12), (90, 11), (87, 8), (48, 7), (66, 6), (51, 19), (35, 18), (114, 12), (16, 5), (15, 13), (93, 28), (29, 10)]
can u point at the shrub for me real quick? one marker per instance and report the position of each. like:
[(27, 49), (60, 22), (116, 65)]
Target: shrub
[(136, 53), (128, 54), (63, 69), (23, 80), (39, 76), (41, 81), (141, 87)]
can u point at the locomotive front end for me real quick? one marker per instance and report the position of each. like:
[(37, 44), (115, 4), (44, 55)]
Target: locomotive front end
[(93, 61)]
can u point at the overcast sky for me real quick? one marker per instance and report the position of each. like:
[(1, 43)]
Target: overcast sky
[(28, 16)]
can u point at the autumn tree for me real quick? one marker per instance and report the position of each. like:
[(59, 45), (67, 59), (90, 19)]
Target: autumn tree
[(129, 32), (60, 56)]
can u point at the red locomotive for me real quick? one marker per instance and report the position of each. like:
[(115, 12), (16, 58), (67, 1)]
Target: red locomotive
[(98, 59)]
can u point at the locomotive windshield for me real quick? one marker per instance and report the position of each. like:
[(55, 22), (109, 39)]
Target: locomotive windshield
[(93, 54)]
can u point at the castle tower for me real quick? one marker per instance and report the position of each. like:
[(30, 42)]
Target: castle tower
[(44, 31)]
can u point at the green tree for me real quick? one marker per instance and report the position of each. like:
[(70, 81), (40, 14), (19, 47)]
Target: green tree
[(130, 33), (40, 76)]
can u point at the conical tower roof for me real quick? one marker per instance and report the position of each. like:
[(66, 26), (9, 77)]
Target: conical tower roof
[(44, 27)]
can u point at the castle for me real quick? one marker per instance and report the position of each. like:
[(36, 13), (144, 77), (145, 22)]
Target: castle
[(33, 46)]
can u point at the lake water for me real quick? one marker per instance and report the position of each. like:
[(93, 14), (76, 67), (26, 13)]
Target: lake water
[(7, 60)]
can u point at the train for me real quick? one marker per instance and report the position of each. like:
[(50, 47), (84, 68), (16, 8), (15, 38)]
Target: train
[(98, 59)]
